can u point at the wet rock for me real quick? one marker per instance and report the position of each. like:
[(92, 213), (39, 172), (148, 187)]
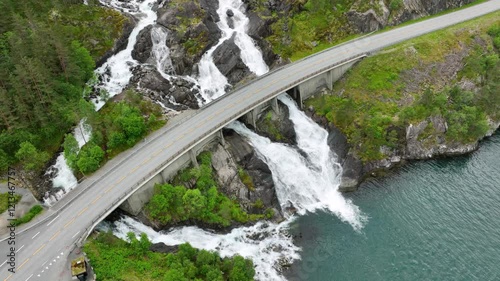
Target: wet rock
[(277, 126), (178, 94), (227, 174), (227, 58), (229, 13), (246, 157), (143, 46), (163, 248)]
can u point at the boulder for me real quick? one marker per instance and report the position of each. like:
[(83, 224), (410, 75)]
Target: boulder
[(122, 42), (229, 13), (143, 46), (277, 126), (163, 248), (228, 60)]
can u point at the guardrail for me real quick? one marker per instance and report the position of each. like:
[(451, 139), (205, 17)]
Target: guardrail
[(193, 143)]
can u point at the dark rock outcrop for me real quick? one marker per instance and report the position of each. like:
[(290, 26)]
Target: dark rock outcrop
[(163, 248), (228, 60), (178, 94), (277, 126), (246, 157), (143, 46)]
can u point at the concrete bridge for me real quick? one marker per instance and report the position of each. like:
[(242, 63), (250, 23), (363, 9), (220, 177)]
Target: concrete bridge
[(300, 91), (70, 221)]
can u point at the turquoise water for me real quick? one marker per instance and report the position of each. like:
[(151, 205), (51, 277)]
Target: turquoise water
[(429, 220)]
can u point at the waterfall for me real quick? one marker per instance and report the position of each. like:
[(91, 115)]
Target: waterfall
[(267, 244), (160, 52), (116, 71), (307, 182), (64, 176), (212, 82)]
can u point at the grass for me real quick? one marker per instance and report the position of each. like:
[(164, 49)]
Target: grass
[(33, 212), (4, 201), (374, 101), (309, 26)]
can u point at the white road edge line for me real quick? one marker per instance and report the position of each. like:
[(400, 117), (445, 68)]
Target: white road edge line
[(53, 220), (19, 248), (45, 262), (75, 234), (28, 277), (3, 263), (35, 235)]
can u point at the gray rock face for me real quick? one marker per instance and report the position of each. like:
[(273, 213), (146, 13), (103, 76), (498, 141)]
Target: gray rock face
[(277, 126), (246, 157), (227, 59), (411, 9), (143, 46), (227, 174)]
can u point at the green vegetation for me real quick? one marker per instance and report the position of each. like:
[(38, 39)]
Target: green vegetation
[(312, 26), (246, 179), (4, 201), (47, 54), (173, 203), (35, 210), (403, 85), (114, 259), (270, 126), (116, 127)]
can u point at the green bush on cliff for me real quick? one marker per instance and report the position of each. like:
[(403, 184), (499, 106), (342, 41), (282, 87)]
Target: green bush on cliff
[(115, 259), (384, 93), (115, 128), (203, 203)]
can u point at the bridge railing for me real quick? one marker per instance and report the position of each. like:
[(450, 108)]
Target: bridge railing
[(191, 144)]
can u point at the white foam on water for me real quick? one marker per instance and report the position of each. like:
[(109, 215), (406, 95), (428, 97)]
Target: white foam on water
[(266, 244), (116, 71), (211, 81)]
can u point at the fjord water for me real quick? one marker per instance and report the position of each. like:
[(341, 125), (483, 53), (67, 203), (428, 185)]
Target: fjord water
[(429, 220)]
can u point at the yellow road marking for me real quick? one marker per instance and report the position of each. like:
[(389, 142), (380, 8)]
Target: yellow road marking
[(167, 146), (158, 152), (36, 252), (97, 198), (109, 188), (134, 169), (120, 180), (146, 161), (70, 222), (23, 263), (82, 211), (7, 277)]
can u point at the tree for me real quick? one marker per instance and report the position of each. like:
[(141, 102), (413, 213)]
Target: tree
[(194, 202), (89, 158), (71, 149), (30, 157)]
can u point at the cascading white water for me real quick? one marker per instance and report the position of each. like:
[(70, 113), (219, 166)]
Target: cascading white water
[(212, 82), (116, 71), (266, 244), (308, 182), (298, 181), (64, 176), (160, 52)]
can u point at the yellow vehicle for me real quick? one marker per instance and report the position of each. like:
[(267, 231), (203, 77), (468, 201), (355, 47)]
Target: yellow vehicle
[(79, 269)]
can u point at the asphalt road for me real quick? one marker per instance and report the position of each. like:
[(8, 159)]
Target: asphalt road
[(42, 251)]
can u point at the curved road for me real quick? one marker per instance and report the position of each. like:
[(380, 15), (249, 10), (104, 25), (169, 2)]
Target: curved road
[(42, 250)]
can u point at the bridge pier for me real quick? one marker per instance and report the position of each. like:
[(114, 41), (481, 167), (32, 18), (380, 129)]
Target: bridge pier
[(221, 138), (192, 155), (274, 105), (251, 118)]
